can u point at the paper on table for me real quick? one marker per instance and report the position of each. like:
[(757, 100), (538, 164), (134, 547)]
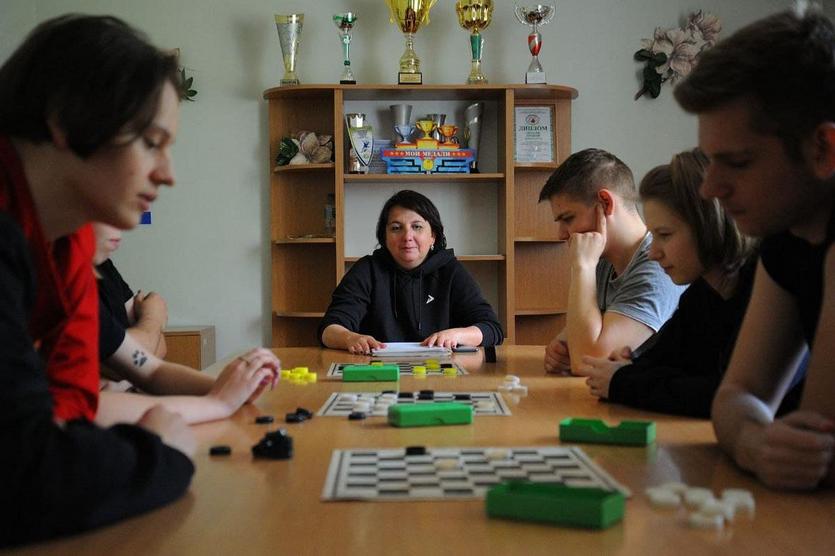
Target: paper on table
[(409, 349)]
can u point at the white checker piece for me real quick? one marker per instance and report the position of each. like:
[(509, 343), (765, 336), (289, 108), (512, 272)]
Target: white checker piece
[(335, 370), (341, 404), (390, 474)]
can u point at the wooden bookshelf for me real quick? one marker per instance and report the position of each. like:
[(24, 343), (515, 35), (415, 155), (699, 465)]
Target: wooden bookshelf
[(525, 260)]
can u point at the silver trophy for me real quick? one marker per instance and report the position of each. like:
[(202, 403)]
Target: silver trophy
[(535, 16), (362, 142), (401, 115), (472, 130), (345, 22), (439, 120), (289, 35)]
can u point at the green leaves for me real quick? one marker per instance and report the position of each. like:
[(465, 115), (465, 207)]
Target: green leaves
[(287, 149), (652, 79), (186, 92)]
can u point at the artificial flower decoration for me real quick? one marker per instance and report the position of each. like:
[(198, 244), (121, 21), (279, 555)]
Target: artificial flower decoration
[(672, 53)]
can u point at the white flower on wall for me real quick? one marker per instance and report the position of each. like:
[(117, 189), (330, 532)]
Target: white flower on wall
[(673, 53)]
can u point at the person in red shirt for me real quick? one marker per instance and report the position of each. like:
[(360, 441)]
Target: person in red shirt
[(88, 114)]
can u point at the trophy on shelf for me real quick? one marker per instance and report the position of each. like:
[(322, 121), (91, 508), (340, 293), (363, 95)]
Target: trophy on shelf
[(400, 115), (475, 15), (427, 141), (289, 28), (535, 16), (409, 15), (448, 132), (472, 130), (362, 143), (345, 22), (439, 120)]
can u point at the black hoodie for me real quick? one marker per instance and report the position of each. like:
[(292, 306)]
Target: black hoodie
[(378, 298)]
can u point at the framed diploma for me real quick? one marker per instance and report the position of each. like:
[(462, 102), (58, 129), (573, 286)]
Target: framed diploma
[(534, 133)]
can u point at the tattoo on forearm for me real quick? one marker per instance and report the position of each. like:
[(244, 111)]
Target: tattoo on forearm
[(139, 358)]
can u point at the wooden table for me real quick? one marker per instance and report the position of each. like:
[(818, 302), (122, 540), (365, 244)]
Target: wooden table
[(237, 505)]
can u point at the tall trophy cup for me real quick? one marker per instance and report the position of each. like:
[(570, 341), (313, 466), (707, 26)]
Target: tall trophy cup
[(289, 35), (535, 16), (409, 15), (400, 115), (472, 130), (345, 22), (362, 143), (475, 15), (439, 119)]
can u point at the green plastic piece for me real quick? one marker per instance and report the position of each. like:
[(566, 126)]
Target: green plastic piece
[(554, 503), (370, 373), (632, 433), (430, 414)]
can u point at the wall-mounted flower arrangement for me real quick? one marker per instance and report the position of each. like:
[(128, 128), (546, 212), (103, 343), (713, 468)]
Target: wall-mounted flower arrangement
[(672, 53)]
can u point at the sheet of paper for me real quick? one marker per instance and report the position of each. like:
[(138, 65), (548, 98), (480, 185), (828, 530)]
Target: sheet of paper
[(409, 349)]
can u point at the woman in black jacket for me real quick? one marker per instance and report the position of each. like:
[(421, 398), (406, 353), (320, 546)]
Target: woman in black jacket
[(696, 243), (411, 289)]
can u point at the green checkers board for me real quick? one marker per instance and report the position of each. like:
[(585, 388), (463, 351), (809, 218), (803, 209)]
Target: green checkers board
[(370, 373), (632, 433), (590, 507), (430, 415)]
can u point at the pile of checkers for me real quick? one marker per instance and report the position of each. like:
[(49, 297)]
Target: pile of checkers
[(298, 375), (513, 385), (705, 510)]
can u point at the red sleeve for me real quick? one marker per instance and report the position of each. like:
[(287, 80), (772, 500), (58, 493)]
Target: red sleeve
[(73, 364)]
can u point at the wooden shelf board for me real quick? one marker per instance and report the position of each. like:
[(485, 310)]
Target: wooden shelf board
[(535, 165), (538, 312), (451, 91), (300, 314), (422, 177), (286, 240), (304, 167), (529, 239)]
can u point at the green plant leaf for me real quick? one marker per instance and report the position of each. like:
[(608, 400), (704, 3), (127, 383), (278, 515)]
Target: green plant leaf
[(643, 55), (659, 58)]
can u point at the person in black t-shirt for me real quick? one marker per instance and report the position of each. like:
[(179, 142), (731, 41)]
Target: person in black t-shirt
[(126, 355), (765, 99)]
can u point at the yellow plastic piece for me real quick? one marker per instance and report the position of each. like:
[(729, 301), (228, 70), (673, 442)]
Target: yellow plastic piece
[(286, 374), (451, 372), (419, 370), (302, 370), (377, 364), (311, 377)]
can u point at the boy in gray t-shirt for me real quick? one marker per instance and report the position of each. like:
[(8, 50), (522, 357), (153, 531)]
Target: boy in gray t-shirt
[(617, 297), (643, 292)]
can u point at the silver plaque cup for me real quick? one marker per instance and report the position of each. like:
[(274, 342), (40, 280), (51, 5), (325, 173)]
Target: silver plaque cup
[(535, 16), (345, 22), (439, 120), (401, 115), (289, 35), (362, 143), (472, 130)]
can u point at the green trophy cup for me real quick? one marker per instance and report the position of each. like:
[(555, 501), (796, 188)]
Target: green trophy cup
[(345, 22), (289, 35), (475, 15), (409, 15)]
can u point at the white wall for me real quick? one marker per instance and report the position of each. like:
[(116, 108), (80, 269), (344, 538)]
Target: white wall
[(208, 247)]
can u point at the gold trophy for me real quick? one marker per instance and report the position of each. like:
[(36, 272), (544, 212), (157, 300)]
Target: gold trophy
[(427, 141), (475, 15), (448, 132), (289, 35), (409, 15)]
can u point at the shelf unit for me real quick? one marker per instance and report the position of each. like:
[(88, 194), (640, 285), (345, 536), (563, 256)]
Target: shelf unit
[(526, 278)]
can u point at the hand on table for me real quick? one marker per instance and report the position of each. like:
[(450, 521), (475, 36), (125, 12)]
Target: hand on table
[(599, 372), (557, 359), (245, 378), (795, 451), (448, 338), (362, 344)]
